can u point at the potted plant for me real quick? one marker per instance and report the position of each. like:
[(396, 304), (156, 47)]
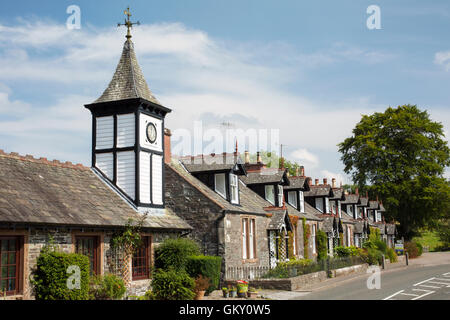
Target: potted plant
[(252, 293), (233, 292), (201, 284), (242, 288), (225, 292)]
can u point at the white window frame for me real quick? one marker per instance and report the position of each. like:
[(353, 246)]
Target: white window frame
[(280, 195), (234, 189), (224, 195), (339, 209), (302, 201), (333, 207), (327, 205), (244, 239), (319, 204), (292, 202), (349, 239), (272, 188), (251, 235), (313, 238)]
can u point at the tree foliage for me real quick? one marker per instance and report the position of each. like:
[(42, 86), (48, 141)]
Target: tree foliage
[(402, 155)]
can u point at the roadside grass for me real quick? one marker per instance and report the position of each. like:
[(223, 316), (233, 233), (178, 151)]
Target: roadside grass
[(429, 239)]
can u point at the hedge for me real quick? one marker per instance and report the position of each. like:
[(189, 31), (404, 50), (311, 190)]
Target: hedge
[(207, 266), (50, 276), (172, 285), (322, 249), (174, 253)]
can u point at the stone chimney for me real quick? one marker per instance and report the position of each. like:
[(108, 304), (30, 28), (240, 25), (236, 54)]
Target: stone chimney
[(258, 158), (296, 171), (247, 157), (357, 191), (317, 182), (325, 181), (310, 182), (167, 151), (333, 183), (302, 171)]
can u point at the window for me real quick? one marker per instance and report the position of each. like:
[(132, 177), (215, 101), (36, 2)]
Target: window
[(350, 210), (219, 183), (313, 238), (248, 239), (360, 212), (327, 205), (339, 208), (88, 246), (356, 240), (9, 264), (270, 193), (349, 233), (280, 196), (294, 241), (140, 262), (333, 207), (234, 188), (319, 204), (378, 216), (292, 198), (302, 201)]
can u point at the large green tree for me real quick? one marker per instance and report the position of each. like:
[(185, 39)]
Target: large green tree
[(401, 154)]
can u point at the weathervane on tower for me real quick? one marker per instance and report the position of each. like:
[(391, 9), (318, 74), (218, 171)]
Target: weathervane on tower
[(128, 23)]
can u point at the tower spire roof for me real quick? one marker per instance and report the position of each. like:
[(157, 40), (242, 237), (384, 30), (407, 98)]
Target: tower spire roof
[(128, 81)]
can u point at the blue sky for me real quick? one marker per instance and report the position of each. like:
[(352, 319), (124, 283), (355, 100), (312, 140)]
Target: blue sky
[(307, 68)]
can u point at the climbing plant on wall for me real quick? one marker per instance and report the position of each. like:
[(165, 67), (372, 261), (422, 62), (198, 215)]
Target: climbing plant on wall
[(306, 234)]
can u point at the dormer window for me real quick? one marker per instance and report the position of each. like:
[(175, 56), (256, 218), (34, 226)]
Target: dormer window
[(339, 209), (234, 189), (350, 210), (302, 201), (292, 198), (220, 184), (270, 193), (333, 207), (327, 205), (280, 196), (319, 204)]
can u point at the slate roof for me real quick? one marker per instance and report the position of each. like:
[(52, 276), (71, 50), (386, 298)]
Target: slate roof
[(310, 213), (351, 199), (327, 224), (364, 202), (212, 162), (382, 209), (264, 176), (359, 226), (128, 81), (249, 201), (279, 218), (390, 228), (373, 204), (37, 191), (338, 194), (319, 191), (297, 182), (346, 218)]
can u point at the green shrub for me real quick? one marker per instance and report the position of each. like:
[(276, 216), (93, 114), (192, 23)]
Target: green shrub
[(412, 249), (107, 287), (392, 255), (420, 248), (207, 266), (321, 240), (374, 256), (172, 285), (50, 278), (174, 253), (342, 251)]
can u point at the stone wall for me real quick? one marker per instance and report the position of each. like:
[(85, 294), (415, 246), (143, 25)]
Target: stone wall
[(233, 241), (36, 239), (196, 209), (290, 284)]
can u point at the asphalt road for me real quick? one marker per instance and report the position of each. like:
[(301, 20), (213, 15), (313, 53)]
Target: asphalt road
[(412, 283)]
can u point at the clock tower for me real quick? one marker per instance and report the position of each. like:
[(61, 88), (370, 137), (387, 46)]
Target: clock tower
[(128, 134)]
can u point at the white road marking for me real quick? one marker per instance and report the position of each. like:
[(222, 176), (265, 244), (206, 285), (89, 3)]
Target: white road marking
[(393, 295), (425, 294), (419, 283)]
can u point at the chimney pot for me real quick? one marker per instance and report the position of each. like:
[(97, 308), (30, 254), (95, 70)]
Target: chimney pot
[(317, 182), (258, 158), (296, 171), (325, 180), (167, 150), (302, 171), (247, 157), (357, 191), (333, 183)]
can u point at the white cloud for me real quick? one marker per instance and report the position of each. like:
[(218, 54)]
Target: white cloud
[(338, 176), (305, 158), (443, 58)]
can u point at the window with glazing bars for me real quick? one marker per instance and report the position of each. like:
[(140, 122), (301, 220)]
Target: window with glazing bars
[(141, 261), (88, 246), (9, 264)]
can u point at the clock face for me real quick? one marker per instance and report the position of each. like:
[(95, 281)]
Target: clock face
[(151, 132)]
